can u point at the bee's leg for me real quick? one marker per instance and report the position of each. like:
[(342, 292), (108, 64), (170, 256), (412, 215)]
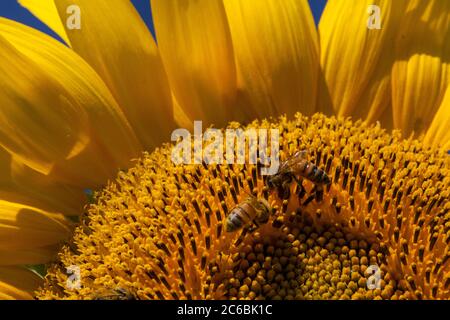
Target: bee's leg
[(300, 190), (298, 181), (253, 227), (285, 189), (280, 192), (319, 193), (241, 236), (301, 193)]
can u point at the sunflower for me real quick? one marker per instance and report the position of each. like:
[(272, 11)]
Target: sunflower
[(157, 231), (75, 114)]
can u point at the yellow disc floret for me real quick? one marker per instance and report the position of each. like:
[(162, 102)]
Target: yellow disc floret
[(380, 231)]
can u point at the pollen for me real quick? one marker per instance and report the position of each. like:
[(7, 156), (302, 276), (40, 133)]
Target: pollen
[(380, 230)]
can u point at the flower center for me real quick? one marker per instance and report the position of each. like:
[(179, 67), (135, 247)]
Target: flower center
[(379, 230), (305, 262)]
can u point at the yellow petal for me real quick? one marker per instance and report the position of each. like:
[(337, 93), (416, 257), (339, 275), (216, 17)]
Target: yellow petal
[(57, 115), (5, 168), (115, 41), (421, 72), (357, 60), (181, 118), (195, 45), (18, 283), (438, 134), (45, 10), (24, 227), (276, 48), (25, 185), (31, 256), (47, 192)]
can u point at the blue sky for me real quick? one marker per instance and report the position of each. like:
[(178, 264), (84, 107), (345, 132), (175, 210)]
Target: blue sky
[(11, 10)]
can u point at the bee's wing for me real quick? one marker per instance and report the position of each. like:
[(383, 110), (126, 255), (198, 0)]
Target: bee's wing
[(300, 154), (290, 162)]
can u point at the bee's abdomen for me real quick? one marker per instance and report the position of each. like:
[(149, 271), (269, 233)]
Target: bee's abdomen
[(316, 175), (237, 218), (310, 172), (234, 222), (325, 179), (321, 177)]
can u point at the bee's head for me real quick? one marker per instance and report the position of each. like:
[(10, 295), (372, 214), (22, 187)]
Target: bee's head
[(272, 181)]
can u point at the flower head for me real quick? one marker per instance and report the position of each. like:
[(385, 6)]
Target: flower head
[(157, 231), (75, 113)]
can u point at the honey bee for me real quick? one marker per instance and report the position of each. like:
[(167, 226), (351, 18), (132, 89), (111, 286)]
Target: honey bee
[(295, 169), (250, 213), (117, 294)]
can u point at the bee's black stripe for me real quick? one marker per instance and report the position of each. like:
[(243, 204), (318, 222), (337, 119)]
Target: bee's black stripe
[(236, 220), (305, 166), (246, 213), (320, 175), (312, 173)]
